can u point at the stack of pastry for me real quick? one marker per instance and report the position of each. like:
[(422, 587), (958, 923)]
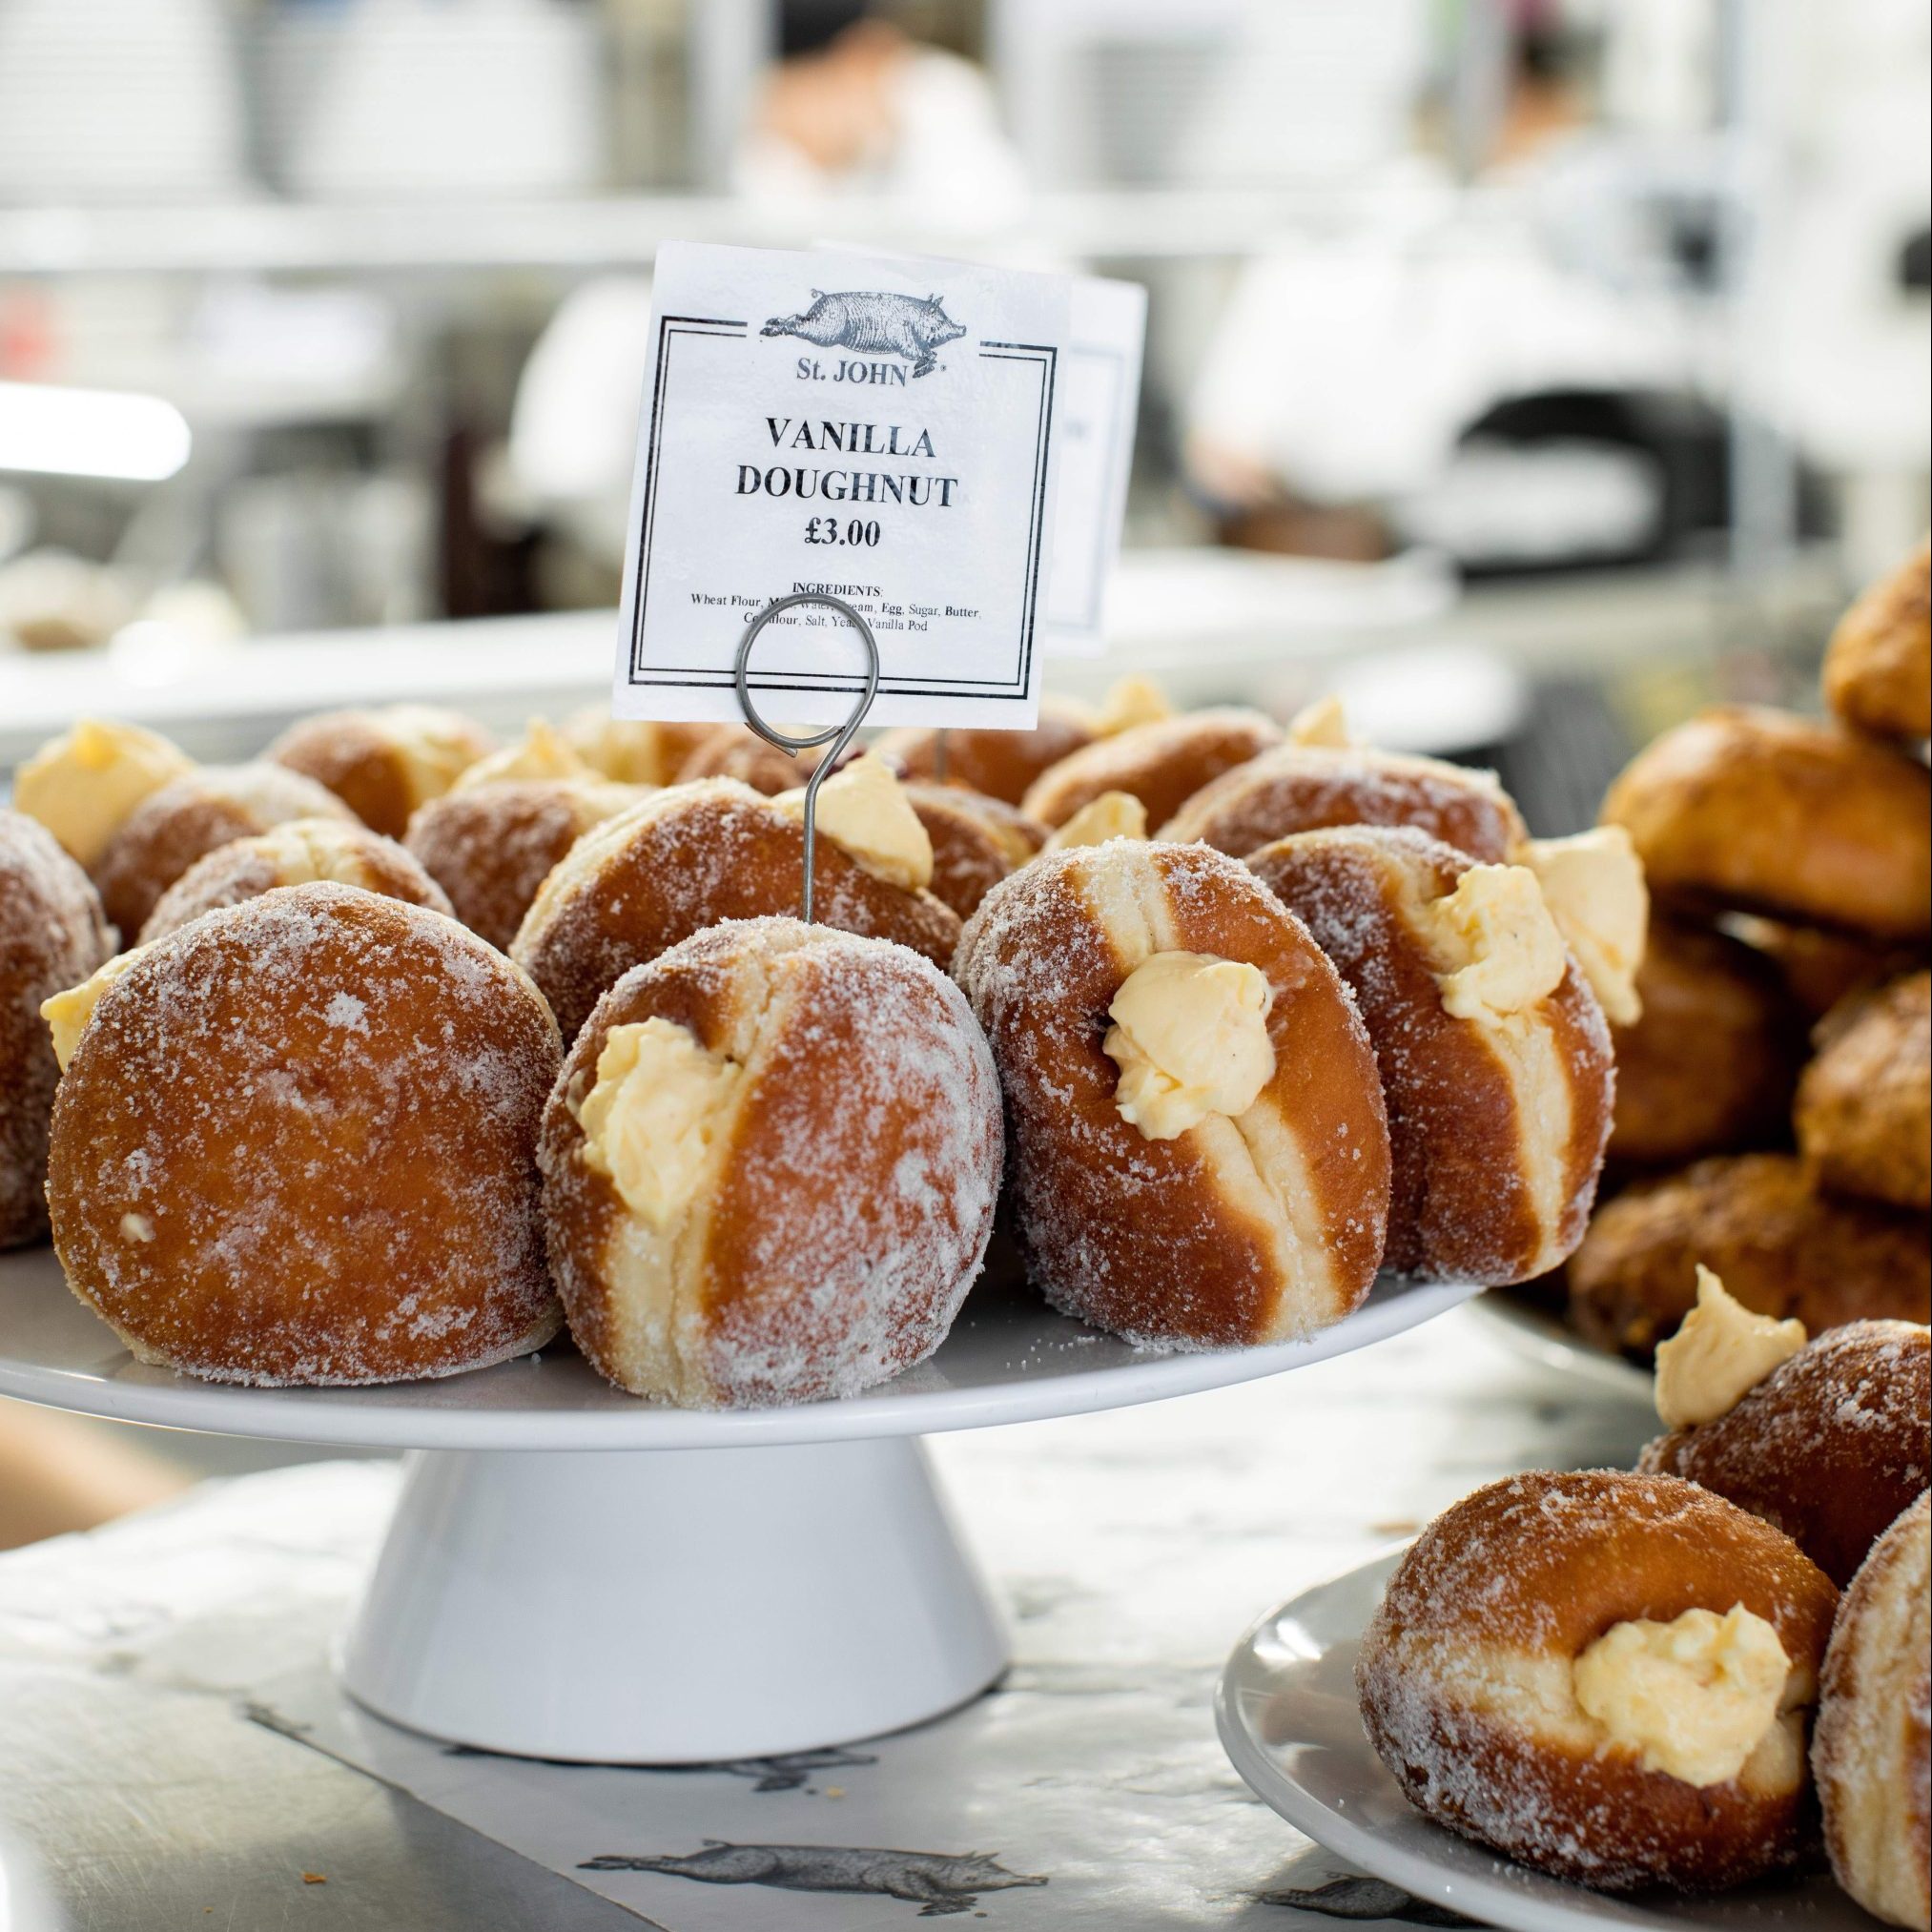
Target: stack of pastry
[(1774, 1113), (1651, 1678)]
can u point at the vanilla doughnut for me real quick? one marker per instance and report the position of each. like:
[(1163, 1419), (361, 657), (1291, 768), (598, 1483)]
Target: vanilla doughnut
[(1829, 1447), (633, 750), (1878, 670), (1760, 811), (540, 752), (384, 764), (189, 817), (972, 853), (1781, 1247), (769, 1167), (1606, 1676), (1494, 1055), (52, 934), (1819, 967), (737, 751), (1000, 764), (294, 1144), (1864, 1106), (688, 857), (491, 847), (1162, 764), (1711, 1062), (83, 785), (300, 852), (1198, 1155), (1872, 1750), (1306, 788)]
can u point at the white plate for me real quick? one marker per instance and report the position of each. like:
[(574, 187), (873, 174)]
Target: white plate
[(1542, 1336), (1009, 1359), (1287, 1716)]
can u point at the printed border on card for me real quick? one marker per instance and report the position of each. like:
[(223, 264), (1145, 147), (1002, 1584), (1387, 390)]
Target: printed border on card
[(1042, 356)]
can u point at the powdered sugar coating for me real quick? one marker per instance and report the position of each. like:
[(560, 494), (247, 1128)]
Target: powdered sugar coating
[(851, 1196), (53, 936), (295, 1145), (1236, 1232), (1306, 788), (245, 867), (1162, 764), (1830, 1447), (1872, 1754), (1467, 1695)]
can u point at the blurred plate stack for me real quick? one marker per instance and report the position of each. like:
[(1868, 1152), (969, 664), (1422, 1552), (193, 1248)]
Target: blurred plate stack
[(118, 101), (377, 98)]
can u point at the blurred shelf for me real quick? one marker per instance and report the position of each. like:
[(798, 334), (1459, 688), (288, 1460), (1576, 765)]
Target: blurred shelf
[(411, 236)]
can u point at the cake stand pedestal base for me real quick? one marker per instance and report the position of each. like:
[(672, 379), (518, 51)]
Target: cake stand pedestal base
[(671, 1606)]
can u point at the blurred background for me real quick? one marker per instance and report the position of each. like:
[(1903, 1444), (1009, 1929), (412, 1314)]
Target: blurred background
[(1529, 370)]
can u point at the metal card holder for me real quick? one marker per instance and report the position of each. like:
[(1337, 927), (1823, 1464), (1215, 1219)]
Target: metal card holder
[(837, 737)]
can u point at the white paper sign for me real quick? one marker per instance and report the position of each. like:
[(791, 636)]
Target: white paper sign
[(873, 427), (1100, 396)]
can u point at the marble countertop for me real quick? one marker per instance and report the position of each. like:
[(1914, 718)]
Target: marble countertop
[(172, 1747)]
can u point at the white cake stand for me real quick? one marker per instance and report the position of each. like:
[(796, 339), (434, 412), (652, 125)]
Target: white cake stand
[(574, 1573)]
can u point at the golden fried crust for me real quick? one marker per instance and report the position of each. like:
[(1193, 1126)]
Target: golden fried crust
[(1782, 1249), (1497, 1136), (1864, 1106), (1000, 764), (491, 848), (1467, 1694), (1829, 1447), (1162, 764), (1872, 1750), (736, 751), (969, 857), (53, 936), (356, 756), (1304, 788), (851, 1194), (1711, 1066), (684, 860), (1766, 813), (296, 1145), (1245, 1231), (188, 818), (244, 868), (1878, 671), (1821, 968)]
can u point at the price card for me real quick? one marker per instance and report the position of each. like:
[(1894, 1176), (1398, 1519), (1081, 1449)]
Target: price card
[(1099, 399), (873, 427)]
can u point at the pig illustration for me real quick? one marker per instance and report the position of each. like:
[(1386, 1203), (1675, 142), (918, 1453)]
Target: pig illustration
[(874, 324), (942, 1884)]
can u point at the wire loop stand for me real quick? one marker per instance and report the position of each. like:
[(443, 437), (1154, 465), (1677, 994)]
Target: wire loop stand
[(837, 737)]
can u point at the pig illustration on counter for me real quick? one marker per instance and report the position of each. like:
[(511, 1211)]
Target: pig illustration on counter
[(875, 323)]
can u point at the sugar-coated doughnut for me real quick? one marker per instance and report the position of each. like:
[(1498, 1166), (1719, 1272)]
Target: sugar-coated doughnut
[(972, 853), (1864, 1104), (1518, 1684), (1762, 812), (1305, 788), (301, 851), (686, 859), (1000, 764), (52, 934), (296, 1144), (1829, 1447), (384, 764), (1198, 1152), (1494, 1053), (770, 1164), (1782, 1247), (491, 847), (188, 818), (1162, 764), (737, 751), (1878, 670), (633, 750), (1871, 1751), (1711, 1061)]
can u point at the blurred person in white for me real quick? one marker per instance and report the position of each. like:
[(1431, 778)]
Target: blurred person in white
[(856, 106), (1331, 411)]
